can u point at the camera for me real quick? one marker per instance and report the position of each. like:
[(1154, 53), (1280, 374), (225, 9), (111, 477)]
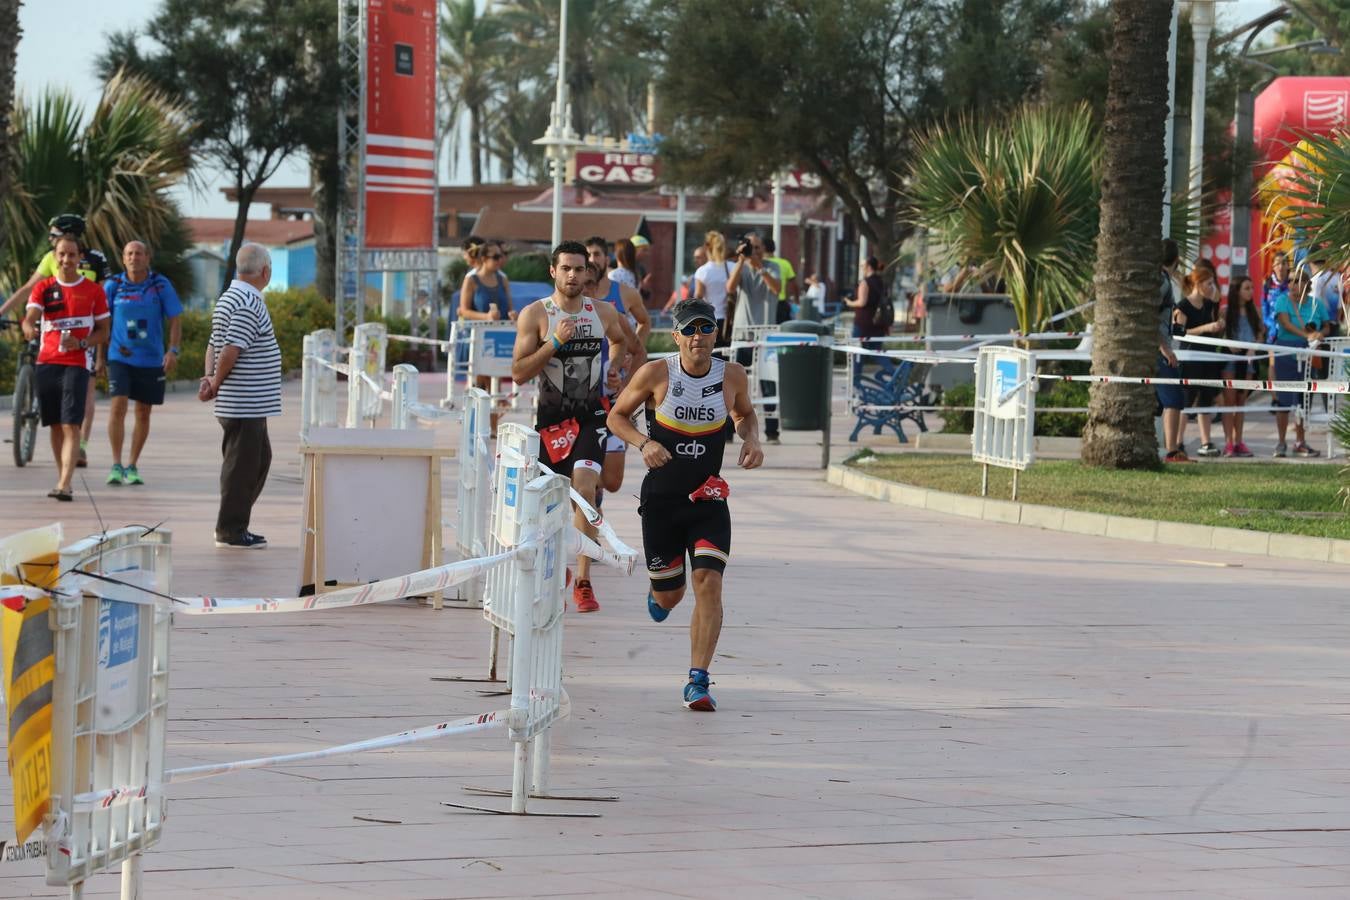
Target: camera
[(745, 248)]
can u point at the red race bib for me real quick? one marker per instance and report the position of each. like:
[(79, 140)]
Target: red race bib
[(712, 489), (558, 439)]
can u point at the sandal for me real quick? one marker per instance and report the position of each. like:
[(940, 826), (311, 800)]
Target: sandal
[(58, 494)]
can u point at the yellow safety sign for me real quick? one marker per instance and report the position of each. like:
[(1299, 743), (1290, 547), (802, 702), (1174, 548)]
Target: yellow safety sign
[(29, 670)]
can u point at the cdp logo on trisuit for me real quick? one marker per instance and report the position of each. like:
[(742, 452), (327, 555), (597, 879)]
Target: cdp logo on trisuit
[(691, 448)]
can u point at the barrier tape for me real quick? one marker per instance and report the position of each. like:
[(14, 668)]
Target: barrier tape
[(340, 368), (1242, 384), (1277, 349), (1209, 410), (581, 544), (410, 339), (1005, 336), (598, 522), (422, 582), (121, 795), (427, 412), (12, 851)]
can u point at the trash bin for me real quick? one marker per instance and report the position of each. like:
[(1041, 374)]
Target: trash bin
[(804, 379), (949, 314)]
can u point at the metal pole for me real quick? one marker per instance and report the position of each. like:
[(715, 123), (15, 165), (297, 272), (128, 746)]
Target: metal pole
[(1171, 121), (1202, 23), (778, 213), (1241, 236), (680, 200), (132, 867), (559, 124)]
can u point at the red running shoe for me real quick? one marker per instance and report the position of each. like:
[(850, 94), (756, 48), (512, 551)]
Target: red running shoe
[(584, 597)]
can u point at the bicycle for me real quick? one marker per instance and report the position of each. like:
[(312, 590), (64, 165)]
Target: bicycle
[(24, 434)]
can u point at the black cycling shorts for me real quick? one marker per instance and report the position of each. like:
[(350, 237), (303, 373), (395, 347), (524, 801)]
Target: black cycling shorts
[(671, 530), (62, 393), (588, 451), (139, 383)]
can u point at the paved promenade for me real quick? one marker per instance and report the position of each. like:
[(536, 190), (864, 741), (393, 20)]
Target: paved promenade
[(911, 706)]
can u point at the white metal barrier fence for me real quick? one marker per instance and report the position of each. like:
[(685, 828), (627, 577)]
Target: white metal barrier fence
[(366, 394), (473, 487), (109, 706)]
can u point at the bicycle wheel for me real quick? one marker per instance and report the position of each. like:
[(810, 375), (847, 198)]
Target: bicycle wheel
[(25, 415)]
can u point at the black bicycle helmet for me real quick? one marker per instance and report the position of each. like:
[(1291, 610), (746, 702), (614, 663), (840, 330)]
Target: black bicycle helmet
[(67, 223)]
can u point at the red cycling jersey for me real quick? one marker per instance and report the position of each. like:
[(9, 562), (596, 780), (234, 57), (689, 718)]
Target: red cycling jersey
[(67, 307)]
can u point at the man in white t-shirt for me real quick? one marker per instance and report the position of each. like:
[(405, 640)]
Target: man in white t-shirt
[(1326, 287)]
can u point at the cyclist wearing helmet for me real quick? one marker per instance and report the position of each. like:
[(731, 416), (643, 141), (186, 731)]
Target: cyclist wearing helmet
[(93, 266)]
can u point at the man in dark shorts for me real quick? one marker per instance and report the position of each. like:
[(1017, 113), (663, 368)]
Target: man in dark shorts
[(71, 313), (141, 302), (565, 340), (688, 398)]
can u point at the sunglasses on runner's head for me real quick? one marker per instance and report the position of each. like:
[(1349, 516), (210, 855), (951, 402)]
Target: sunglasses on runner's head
[(698, 328)]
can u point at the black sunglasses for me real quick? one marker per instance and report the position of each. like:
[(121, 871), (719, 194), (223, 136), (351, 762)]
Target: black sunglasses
[(703, 328)]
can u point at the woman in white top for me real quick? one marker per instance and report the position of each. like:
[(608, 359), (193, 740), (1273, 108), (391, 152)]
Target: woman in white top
[(710, 281)]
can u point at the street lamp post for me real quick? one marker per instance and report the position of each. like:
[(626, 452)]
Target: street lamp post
[(559, 139), (1202, 24)]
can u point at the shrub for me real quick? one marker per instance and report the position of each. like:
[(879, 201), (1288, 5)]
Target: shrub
[(526, 267), (957, 421), (1063, 394), (455, 271), (660, 342)]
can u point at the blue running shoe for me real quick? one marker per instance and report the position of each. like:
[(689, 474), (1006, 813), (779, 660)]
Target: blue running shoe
[(696, 696), (656, 610)]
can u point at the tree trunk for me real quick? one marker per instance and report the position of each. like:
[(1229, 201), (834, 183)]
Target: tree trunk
[(476, 142), (9, 50), (246, 193), (1119, 432), (326, 176)]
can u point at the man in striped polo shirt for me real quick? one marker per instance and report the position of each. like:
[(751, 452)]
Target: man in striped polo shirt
[(243, 376)]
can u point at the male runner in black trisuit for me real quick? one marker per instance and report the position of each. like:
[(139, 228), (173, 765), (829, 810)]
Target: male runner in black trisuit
[(565, 339), (688, 398)]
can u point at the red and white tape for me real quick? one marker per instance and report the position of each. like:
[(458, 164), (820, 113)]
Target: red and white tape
[(120, 795), (426, 581), (1242, 384)]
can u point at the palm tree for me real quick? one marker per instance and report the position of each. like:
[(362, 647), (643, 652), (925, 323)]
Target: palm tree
[(471, 44), (1310, 195), (1018, 195), (116, 170), (1119, 432), (607, 69), (10, 32)]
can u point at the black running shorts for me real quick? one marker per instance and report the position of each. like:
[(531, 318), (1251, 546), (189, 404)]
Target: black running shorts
[(62, 393), (139, 383), (588, 451), (673, 529)]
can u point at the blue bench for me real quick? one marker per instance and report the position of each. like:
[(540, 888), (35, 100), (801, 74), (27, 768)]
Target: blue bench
[(889, 387)]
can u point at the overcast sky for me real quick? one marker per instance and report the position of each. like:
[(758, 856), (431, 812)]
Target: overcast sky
[(61, 40)]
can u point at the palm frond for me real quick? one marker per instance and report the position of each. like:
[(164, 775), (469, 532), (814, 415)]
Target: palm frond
[(1018, 197)]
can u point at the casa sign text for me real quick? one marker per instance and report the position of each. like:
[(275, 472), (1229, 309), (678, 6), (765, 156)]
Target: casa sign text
[(617, 168)]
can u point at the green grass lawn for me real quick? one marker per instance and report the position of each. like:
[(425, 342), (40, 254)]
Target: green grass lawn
[(1284, 498)]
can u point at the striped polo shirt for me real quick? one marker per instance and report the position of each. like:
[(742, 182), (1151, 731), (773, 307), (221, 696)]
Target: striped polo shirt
[(253, 388)]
